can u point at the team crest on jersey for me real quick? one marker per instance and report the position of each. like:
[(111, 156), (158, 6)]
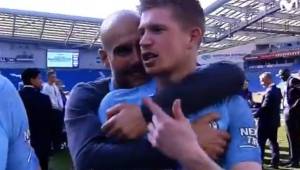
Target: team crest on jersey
[(27, 136), (250, 136)]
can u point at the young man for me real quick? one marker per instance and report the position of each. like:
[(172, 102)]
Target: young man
[(39, 112), (169, 45), (15, 149), (91, 148)]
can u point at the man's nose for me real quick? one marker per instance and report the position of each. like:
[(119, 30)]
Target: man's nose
[(145, 40)]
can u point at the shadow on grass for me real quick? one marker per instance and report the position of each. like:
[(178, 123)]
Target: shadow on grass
[(60, 161)]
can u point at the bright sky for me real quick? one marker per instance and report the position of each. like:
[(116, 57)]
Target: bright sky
[(88, 8)]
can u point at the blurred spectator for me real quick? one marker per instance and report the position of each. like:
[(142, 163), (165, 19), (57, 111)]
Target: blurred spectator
[(247, 95), (39, 111), (269, 117), (292, 114), (61, 89), (15, 149), (50, 88)]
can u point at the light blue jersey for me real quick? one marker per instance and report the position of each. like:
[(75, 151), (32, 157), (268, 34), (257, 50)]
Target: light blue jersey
[(15, 150), (237, 120), (130, 96)]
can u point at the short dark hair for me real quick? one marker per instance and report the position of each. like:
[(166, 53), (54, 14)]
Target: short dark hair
[(188, 12), (29, 73), (50, 72)]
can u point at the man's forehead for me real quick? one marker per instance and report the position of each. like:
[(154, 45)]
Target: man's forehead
[(124, 37), (118, 26), (156, 16), (121, 34)]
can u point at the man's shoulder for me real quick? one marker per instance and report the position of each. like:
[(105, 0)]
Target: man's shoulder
[(4, 82), (46, 85), (294, 81), (96, 86), (86, 97), (89, 93), (276, 89), (220, 72), (230, 101), (6, 88), (235, 102), (43, 96), (220, 66)]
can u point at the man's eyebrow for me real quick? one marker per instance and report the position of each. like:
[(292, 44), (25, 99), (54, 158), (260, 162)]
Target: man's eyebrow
[(151, 25), (123, 45)]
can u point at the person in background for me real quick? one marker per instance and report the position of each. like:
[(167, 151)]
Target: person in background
[(246, 93), (39, 111), (269, 117), (61, 87), (63, 94), (50, 88), (15, 149), (291, 112)]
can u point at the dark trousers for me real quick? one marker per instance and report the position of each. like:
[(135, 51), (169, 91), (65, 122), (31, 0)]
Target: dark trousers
[(57, 129), (264, 133), (42, 151), (293, 134)]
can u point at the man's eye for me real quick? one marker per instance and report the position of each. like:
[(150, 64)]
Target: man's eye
[(122, 51), (156, 29), (141, 32)]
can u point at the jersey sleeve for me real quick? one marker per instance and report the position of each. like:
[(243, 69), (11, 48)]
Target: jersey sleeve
[(243, 146), (3, 148), (106, 103)]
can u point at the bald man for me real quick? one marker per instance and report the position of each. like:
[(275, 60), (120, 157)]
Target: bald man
[(89, 146)]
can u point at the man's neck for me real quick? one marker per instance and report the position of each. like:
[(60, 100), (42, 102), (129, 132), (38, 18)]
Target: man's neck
[(120, 85), (29, 86), (165, 80), (270, 85)]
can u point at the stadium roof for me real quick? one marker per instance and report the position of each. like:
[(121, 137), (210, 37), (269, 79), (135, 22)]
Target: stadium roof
[(47, 27), (228, 23), (236, 22)]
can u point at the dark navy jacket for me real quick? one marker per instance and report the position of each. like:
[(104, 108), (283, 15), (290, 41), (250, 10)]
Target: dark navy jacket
[(39, 111), (269, 112)]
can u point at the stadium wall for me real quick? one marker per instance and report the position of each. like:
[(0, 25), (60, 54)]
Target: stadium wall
[(34, 55), (88, 58)]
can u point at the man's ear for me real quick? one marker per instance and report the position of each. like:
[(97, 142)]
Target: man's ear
[(31, 81), (104, 58), (196, 35)]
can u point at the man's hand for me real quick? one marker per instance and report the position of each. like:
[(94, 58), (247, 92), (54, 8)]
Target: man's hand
[(125, 121), (212, 141), (172, 136), (175, 138)]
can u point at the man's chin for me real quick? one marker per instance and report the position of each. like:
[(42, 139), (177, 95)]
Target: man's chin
[(138, 75), (152, 71)]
